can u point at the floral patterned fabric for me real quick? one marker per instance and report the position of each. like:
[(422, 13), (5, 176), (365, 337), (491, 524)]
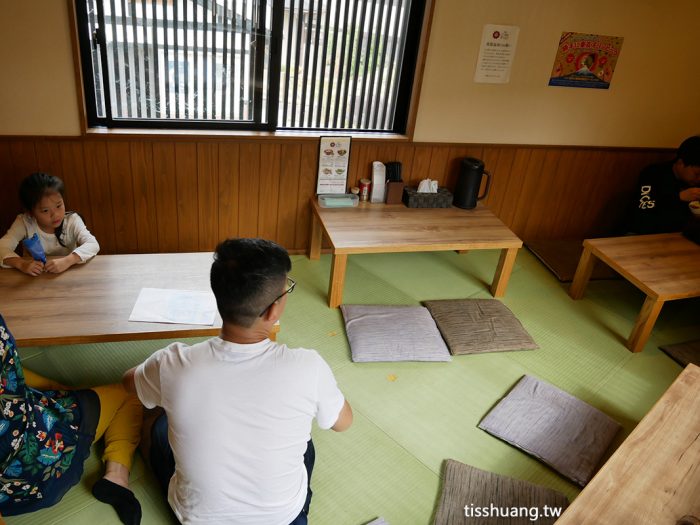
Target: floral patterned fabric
[(43, 440)]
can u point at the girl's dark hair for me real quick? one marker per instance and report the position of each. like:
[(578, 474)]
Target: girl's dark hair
[(33, 188)]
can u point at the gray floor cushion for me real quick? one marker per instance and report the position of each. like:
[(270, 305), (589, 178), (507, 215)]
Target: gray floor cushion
[(561, 257), (562, 431), (392, 333), (468, 490), (472, 326), (684, 353)]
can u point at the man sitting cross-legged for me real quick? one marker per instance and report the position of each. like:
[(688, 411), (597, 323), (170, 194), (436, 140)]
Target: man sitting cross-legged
[(234, 442)]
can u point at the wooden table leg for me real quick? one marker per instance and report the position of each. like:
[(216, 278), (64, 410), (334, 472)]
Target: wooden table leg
[(503, 271), (645, 322), (583, 273), (335, 290), (316, 238)]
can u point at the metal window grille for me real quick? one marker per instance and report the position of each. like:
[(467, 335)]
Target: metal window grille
[(311, 64), (341, 63)]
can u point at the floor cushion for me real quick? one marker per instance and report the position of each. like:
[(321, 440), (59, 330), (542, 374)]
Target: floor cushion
[(684, 353), (557, 428), (468, 490), (471, 326), (392, 333)]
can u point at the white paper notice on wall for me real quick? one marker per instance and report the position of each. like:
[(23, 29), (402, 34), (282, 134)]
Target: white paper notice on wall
[(496, 54)]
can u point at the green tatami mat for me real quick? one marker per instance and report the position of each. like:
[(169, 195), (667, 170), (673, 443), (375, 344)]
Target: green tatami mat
[(362, 473), (410, 417)]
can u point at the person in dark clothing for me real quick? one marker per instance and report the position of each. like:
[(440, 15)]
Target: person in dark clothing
[(665, 190)]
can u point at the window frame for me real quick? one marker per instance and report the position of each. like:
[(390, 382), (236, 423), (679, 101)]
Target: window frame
[(408, 93)]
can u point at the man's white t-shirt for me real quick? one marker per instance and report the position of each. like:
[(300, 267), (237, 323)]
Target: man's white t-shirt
[(239, 419)]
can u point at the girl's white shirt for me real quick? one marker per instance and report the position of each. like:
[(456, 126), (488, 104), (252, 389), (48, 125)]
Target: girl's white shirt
[(76, 237)]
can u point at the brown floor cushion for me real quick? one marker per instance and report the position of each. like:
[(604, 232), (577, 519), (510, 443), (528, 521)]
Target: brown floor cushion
[(684, 353), (468, 490), (561, 257), (474, 326), (555, 427)]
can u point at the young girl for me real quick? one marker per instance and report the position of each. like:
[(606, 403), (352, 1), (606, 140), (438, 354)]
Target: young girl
[(60, 233)]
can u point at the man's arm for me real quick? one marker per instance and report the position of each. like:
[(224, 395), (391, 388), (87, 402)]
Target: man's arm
[(689, 195), (128, 380), (344, 418)]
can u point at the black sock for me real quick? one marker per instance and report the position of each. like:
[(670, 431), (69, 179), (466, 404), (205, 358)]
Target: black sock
[(122, 499)]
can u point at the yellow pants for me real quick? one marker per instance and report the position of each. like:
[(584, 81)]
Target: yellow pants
[(120, 417)]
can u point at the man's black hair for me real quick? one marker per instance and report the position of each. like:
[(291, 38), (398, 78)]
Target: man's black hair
[(246, 277), (689, 151)]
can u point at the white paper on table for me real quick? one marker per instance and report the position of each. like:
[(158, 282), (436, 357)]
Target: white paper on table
[(158, 305)]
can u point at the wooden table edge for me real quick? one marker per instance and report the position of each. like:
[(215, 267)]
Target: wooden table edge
[(688, 374), (126, 336), (427, 248)]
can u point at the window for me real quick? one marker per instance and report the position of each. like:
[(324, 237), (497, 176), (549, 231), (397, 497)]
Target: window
[(249, 64)]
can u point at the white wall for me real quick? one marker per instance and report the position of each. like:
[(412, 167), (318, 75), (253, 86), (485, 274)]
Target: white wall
[(653, 100), (654, 96)]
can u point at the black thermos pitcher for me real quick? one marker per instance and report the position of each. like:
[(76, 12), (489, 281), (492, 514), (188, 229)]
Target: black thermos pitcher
[(471, 171)]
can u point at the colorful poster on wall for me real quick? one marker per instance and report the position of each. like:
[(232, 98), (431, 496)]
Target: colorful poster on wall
[(586, 61)]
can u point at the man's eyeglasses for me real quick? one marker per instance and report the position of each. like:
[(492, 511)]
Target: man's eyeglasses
[(291, 283)]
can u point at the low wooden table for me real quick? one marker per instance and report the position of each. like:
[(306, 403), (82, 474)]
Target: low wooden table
[(92, 302), (389, 228), (664, 266), (654, 477)]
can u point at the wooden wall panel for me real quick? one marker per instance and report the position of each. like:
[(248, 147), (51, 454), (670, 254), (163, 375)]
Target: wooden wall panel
[(439, 160), (539, 209), (404, 155), (143, 181), (228, 190), (98, 190), (289, 192), (174, 194), (187, 212), (22, 162), (207, 193), (526, 199), (270, 173), (249, 190), (165, 196), (75, 176), (501, 167), (516, 180), (48, 156), (10, 203), (123, 198), (307, 189), (420, 168)]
